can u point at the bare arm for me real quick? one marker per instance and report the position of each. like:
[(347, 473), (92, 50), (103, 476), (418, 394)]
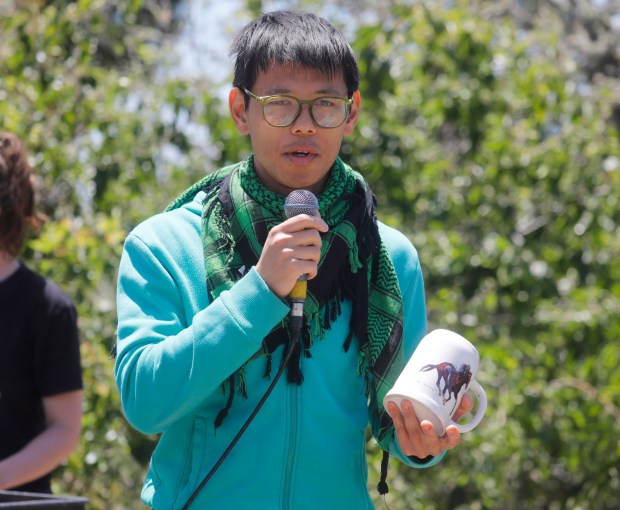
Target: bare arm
[(63, 413)]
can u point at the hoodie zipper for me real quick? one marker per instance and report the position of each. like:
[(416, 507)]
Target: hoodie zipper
[(293, 391)]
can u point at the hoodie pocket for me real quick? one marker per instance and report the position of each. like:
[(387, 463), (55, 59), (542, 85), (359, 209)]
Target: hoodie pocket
[(194, 461)]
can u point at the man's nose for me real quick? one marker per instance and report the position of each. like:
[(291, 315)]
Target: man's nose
[(304, 123)]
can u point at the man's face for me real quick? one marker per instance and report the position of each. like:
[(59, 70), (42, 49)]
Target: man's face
[(298, 156)]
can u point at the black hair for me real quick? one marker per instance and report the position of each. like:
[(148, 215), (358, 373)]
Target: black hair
[(299, 39)]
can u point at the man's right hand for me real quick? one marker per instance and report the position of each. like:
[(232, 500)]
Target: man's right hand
[(292, 249)]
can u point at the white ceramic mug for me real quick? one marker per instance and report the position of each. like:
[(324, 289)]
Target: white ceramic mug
[(441, 370)]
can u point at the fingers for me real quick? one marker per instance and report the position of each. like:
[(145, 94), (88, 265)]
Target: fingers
[(467, 404), (414, 438), (302, 222), (451, 438), (420, 438), (292, 249)]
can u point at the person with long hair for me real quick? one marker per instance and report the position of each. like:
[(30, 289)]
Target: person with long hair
[(40, 371)]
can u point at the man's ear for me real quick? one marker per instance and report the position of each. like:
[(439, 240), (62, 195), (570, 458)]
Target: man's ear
[(236, 104), (349, 124)]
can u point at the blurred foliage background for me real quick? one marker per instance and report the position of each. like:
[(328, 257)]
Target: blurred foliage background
[(490, 133)]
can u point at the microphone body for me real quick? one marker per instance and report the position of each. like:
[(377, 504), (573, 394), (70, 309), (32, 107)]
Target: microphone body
[(300, 201)]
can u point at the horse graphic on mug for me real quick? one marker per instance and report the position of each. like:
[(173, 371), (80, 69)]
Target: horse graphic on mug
[(454, 380)]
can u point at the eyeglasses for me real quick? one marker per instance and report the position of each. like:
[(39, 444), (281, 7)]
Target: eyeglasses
[(282, 111)]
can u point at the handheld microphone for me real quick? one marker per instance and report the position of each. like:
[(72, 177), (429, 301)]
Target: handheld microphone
[(300, 201)]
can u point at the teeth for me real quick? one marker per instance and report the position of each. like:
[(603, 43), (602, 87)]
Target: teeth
[(301, 153)]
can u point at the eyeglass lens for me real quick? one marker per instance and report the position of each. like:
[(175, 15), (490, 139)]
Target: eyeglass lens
[(326, 111)]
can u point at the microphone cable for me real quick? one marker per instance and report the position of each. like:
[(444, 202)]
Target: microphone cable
[(291, 347), (297, 202)]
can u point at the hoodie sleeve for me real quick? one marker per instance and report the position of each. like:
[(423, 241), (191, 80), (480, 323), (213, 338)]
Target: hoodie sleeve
[(174, 348), (407, 265)]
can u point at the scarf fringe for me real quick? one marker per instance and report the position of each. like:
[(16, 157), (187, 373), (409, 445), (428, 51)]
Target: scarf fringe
[(231, 395), (267, 374), (332, 310), (354, 258), (242, 386), (293, 370), (382, 487), (364, 274), (230, 382)]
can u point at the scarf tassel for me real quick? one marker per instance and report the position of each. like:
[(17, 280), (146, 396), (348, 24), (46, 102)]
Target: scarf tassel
[(327, 314), (332, 310), (242, 386), (382, 487), (224, 412), (354, 258), (267, 374), (364, 370), (293, 370), (347, 342), (294, 374)]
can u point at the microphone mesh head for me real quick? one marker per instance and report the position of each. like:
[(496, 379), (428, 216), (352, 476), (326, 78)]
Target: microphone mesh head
[(301, 201)]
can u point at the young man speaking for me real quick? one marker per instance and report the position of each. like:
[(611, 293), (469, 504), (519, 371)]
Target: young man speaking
[(203, 314)]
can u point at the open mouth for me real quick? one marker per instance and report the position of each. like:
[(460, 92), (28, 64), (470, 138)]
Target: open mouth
[(300, 154)]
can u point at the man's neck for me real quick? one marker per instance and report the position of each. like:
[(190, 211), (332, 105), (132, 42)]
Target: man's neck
[(8, 265)]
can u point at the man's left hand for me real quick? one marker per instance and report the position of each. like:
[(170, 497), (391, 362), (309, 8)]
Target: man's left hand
[(419, 439)]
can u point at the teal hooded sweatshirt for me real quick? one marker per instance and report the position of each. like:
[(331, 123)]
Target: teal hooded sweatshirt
[(306, 447)]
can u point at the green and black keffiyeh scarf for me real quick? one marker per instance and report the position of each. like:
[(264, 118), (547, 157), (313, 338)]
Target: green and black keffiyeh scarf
[(238, 212)]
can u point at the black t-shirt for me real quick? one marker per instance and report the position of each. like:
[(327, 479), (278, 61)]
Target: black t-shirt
[(39, 357)]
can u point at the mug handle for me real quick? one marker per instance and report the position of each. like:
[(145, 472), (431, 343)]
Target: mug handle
[(482, 406)]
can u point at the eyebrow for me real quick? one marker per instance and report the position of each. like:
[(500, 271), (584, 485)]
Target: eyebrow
[(330, 91)]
